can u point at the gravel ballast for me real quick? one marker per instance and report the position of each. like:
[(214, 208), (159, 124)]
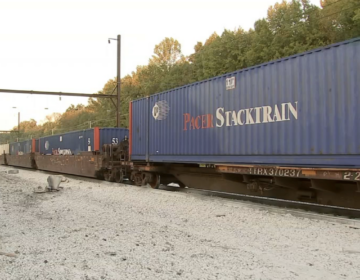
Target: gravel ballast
[(98, 230)]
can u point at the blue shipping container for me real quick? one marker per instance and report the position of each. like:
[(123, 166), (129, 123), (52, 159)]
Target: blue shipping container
[(75, 142), (21, 148), (112, 135), (70, 143), (37, 146), (300, 110)]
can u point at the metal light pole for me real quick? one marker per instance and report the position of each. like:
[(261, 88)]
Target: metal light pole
[(18, 119), (19, 122), (118, 85)]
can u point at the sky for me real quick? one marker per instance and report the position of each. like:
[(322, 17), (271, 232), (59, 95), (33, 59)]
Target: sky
[(62, 46)]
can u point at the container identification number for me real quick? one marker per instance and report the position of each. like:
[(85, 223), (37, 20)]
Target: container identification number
[(275, 172), (230, 83), (354, 176)]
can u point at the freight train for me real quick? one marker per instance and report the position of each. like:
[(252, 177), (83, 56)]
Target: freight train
[(285, 129)]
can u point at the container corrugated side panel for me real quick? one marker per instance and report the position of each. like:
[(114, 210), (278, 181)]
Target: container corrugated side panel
[(12, 147), (27, 146), (19, 148), (140, 119), (75, 141), (112, 135), (89, 140), (37, 145), (4, 148), (313, 98)]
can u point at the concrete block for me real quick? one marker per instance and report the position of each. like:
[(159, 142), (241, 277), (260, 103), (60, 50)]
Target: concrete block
[(54, 182)]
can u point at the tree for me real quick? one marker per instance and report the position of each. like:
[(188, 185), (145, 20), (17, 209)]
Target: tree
[(260, 40), (54, 117), (167, 53), (344, 16)]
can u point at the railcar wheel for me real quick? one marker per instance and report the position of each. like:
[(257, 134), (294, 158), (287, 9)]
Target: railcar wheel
[(136, 178), (109, 176), (155, 181), (119, 176)]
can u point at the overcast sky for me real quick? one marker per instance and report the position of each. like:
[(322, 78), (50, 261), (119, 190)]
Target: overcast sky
[(62, 45)]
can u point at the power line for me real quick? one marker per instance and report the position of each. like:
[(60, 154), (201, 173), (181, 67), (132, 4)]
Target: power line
[(57, 93)]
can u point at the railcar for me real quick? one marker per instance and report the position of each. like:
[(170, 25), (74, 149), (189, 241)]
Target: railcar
[(286, 129)]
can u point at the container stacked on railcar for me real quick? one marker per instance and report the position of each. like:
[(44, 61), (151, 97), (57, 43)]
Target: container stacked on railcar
[(298, 111), (22, 154), (75, 142), (22, 148), (78, 152)]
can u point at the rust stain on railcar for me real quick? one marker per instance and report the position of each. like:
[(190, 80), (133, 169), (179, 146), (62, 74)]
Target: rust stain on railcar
[(289, 167), (351, 174), (308, 172), (81, 165), (26, 160)]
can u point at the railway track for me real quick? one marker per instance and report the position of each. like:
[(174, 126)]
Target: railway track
[(300, 209), (342, 215)]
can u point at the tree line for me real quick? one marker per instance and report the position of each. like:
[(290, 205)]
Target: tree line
[(289, 28)]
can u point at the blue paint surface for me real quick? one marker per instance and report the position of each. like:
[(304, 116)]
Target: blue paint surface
[(75, 141), (140, 127), (322, 87), (19, 148), (112, 135), (81, 141)]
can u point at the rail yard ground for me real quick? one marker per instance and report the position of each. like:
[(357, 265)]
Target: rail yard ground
[(99, 230)]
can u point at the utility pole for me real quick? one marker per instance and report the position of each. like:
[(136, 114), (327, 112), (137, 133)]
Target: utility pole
[(118, 83), (118, 80), (18, 122)]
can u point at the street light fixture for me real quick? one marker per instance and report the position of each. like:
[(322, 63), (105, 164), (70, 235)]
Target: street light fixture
[(118, 86)]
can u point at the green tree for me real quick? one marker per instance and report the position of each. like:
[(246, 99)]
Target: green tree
[(344, 16), (167, 53)]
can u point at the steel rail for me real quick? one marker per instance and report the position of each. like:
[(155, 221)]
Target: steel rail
[(303, 209)]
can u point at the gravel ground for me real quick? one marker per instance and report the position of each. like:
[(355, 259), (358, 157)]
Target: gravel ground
[(93, 230)]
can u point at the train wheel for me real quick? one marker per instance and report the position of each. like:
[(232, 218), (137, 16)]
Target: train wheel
[(119, 176), (136, 178), (109, 176), (155, 182)]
